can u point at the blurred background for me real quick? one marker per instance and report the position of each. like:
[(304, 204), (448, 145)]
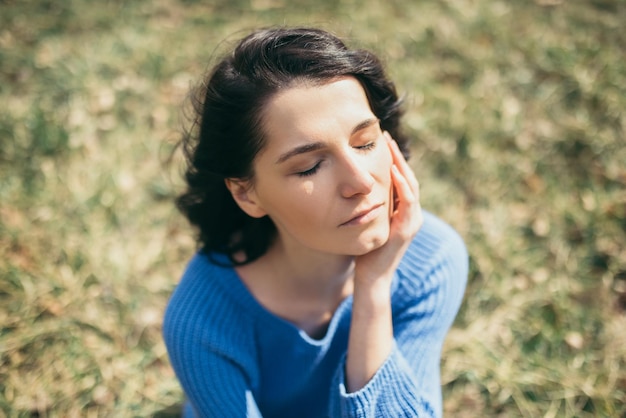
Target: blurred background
[(517, 114)]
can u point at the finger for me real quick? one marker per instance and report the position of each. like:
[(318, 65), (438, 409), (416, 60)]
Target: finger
[(406, 219), (398, 158), (401, 163), (404, 191)]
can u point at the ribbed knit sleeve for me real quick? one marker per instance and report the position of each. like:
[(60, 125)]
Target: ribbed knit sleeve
[(208, 348), (431, 283)]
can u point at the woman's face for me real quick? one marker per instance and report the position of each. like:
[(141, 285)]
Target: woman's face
[(323, 176)]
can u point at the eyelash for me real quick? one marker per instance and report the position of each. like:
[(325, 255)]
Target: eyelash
[(313, 170), (310, 171), (367, 146)]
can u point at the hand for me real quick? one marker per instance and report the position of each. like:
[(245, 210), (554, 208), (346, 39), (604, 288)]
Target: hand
[(405, 221)]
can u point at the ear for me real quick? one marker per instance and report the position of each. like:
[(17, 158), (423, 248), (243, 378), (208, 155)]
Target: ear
[(244, 195)]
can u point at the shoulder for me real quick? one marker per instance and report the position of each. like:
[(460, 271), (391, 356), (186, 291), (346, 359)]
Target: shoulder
[(435, 243), (436, 263), (204, 311), (198, 291)]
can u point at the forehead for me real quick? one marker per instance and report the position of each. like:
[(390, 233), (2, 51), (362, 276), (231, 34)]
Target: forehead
[(315, 112)]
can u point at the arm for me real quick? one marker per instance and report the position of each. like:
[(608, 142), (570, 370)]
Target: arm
[(216, 388), (207, 360), (426, 296)]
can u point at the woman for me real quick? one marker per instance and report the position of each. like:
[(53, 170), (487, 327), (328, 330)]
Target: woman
[(313, 293)]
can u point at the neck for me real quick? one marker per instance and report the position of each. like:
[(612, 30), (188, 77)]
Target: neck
[(300, 285), (309, 272)]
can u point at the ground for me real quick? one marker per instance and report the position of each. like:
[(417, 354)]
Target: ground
[(517, 115)]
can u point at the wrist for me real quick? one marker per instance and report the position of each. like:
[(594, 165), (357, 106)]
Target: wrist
[(371, 334), (371, 299), (373, 284)]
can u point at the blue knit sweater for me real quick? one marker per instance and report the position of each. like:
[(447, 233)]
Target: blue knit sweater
[(236, 359)]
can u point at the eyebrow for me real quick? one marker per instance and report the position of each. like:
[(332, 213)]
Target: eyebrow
[(314, 146), (365, 124)]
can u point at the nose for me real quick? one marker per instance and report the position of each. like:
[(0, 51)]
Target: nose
[(355, 178)]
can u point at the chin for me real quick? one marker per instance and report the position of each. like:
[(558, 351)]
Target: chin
[(372, 242)]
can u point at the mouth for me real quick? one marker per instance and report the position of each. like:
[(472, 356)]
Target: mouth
[(364, 216)]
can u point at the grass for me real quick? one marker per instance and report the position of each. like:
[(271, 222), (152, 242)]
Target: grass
[(517, 110)]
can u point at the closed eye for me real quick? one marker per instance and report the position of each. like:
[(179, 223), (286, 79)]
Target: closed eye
[(310, 171), (367, 146)]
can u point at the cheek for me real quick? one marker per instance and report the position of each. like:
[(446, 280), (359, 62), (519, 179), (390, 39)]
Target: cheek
[(388, 159), (308, 188), (384, 160), (296, 205)]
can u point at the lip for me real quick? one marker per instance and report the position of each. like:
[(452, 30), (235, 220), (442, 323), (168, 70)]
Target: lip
[(364, 216)]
